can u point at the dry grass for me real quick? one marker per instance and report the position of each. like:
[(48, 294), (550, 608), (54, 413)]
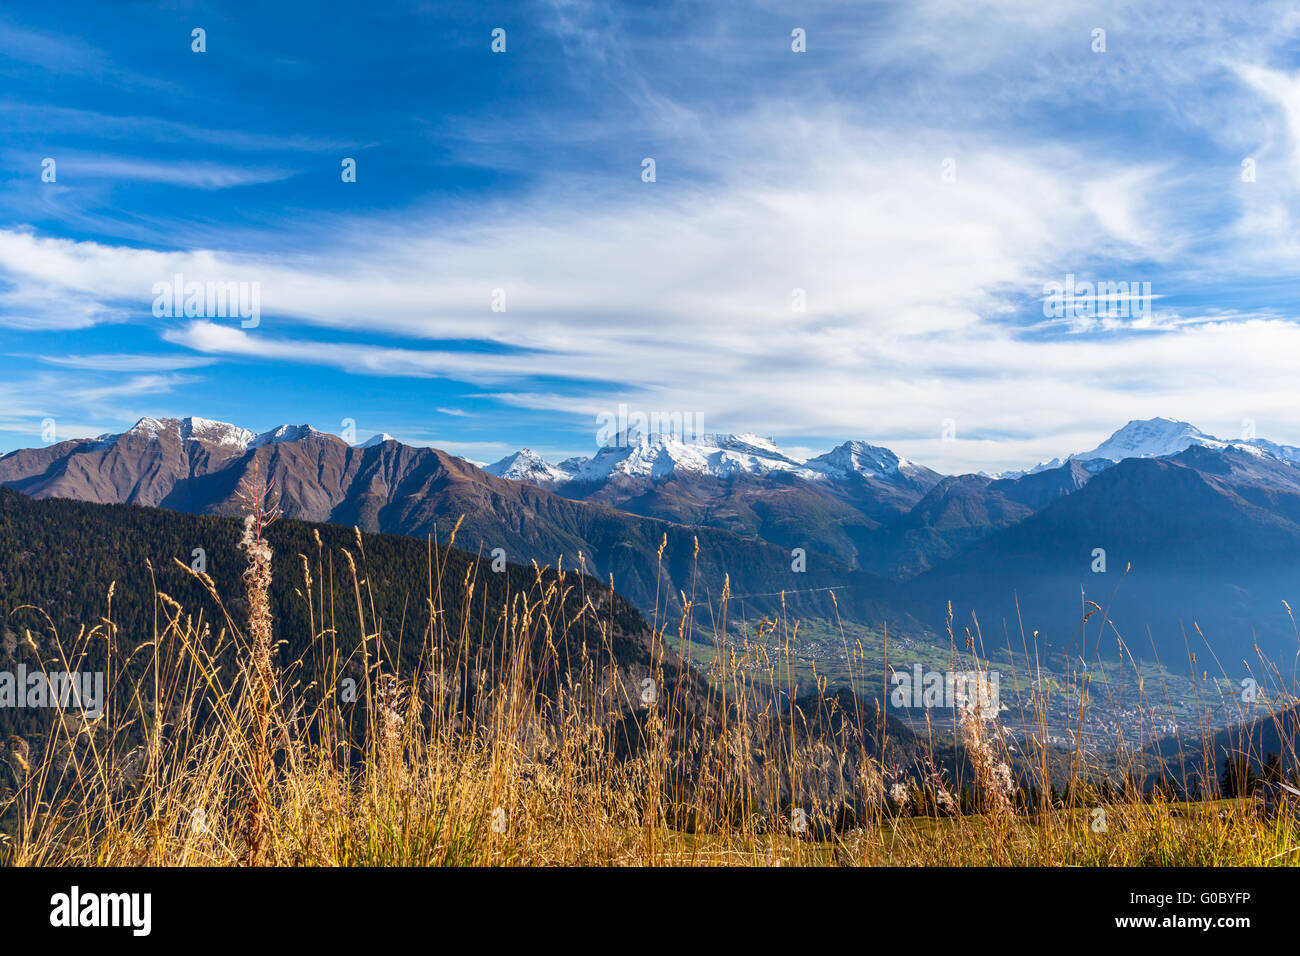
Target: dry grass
[(526, 746)]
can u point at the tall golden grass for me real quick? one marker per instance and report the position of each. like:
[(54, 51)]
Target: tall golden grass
[(531, 746)]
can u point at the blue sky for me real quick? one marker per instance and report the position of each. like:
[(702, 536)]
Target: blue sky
[(922, 172)]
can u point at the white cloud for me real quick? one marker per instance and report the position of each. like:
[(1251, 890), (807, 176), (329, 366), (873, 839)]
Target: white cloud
[(1283, 90), (128, 363), (196, 175), (148, 384)]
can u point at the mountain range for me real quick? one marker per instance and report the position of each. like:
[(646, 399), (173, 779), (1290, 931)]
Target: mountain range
[(197, 466), (1201, 530)]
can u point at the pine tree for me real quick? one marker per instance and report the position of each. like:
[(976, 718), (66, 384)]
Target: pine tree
[(1239, 779), (1272, 772)]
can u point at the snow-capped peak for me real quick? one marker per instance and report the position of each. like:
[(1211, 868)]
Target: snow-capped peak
[(656, 456), (1150, 438), (190, 429), (379, 439), (221, 433), (527, 465), (286, 433), (1160, 438), (860, 458)]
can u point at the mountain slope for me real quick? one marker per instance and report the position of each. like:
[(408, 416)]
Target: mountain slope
[(1212, 537), (58, 559), (962, 509)]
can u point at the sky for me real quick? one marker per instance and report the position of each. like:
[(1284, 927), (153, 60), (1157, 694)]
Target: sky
[(857, 222)]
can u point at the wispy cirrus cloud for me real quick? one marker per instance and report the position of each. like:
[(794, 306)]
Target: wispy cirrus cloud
[(131, 387), (128, 363), (195, 175), (19, 116)]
